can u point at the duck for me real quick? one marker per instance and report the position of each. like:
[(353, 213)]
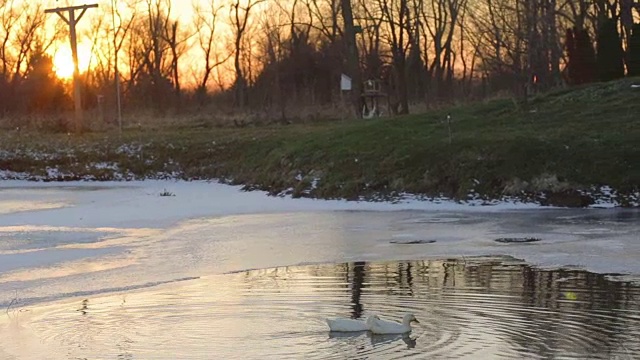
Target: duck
[(348, 325), (380, 326)]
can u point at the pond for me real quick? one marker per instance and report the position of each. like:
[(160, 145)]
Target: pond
[(471, 308), (119, 272)]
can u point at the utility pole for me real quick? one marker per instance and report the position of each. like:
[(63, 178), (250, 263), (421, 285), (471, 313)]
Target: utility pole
[(72, 20), (117, 72)]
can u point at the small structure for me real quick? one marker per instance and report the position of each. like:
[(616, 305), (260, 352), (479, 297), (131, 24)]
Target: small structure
[(372, 95), (345, 87), (100, 100), (345, 83)]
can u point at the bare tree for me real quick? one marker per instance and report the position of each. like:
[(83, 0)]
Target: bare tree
[(398, 23), (176, 37), (240, 14), (577, 12), (295, 52), (26, 38), (9, 17), (441, 19), (125, 23), (273, 50), (326, 14), (206, 22), (22, 31), (371, 20), (468, 58), (155, 46), (499, 38)]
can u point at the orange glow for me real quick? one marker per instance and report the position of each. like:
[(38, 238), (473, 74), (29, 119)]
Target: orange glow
[(63, 60)]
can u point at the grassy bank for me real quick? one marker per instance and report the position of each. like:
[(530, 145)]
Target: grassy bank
[(561, 148)]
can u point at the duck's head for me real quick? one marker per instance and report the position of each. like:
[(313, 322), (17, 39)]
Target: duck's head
[(409, 318)]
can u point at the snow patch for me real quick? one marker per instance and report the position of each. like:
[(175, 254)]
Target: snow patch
[(603, 196), (104, 166), (129, 149)]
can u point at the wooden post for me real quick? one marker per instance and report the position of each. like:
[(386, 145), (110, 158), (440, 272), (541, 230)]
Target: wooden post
[(72, 20), (115, 64), (353, 62)]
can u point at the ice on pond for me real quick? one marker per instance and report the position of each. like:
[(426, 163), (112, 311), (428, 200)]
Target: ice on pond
[(119, 253)]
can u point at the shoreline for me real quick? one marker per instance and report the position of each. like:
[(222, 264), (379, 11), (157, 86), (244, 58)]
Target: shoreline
[(600, 198), (137, 209), (574, 147)]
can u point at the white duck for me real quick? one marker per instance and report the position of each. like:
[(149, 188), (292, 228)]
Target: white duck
[(391, 327), (341, 324)]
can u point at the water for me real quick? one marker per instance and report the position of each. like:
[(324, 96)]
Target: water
[(122, 273), (472, 308), (48, 263)]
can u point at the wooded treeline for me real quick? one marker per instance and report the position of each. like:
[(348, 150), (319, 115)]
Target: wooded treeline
[(283, 55)]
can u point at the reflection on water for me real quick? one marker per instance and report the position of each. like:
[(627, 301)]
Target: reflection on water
[(13, 206), (468, 309)]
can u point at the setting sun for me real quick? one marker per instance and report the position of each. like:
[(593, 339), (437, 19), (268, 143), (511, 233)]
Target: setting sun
[(63, 61)]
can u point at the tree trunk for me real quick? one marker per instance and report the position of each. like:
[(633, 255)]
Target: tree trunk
[(353, 61)]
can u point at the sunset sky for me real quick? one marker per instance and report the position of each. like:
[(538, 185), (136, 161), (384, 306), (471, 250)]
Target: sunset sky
[(61, 52)]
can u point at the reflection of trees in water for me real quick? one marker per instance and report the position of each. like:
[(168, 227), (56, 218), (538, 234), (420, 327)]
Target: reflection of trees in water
[(594, 290), (409, 277), (402, 283), (356, 288), (449, 274), (585, 300), (529, 310), (579, 299), (565, 309), (401, 280)]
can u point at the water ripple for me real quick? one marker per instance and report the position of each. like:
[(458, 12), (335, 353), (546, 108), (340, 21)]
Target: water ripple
[(492, 310)]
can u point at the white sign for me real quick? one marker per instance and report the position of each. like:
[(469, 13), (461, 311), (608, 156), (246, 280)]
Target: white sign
[(345, 83)]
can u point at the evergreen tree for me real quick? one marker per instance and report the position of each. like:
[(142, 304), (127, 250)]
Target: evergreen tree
[(633, 67), (587, 56), (5, 99), (610, 56), (570, 44), (41, 90), (582, 57)]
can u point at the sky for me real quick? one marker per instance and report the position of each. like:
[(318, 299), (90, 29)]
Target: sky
[(61, 52)]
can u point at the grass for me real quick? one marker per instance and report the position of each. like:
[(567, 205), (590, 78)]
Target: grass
[(166, 193), (551, 150)]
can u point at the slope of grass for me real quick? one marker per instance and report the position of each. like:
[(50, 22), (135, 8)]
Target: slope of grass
[(559, 149)]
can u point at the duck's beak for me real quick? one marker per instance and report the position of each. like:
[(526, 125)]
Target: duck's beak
[(416, 320)]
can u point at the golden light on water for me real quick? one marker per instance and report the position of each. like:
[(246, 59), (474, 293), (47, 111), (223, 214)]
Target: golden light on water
[(13, 206)]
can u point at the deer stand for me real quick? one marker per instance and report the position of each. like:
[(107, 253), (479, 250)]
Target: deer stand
[(372, 98)]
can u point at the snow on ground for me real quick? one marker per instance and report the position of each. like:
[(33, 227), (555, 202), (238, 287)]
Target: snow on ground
[(62, 237), (140, 204)]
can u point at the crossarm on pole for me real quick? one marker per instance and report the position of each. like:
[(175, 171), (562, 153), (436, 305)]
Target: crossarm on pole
[(64, 18)]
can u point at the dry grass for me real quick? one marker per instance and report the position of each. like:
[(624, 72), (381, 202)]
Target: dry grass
[(564, 142)]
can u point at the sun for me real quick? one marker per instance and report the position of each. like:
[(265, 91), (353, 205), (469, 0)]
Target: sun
[(63, 61), (63, 64)]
